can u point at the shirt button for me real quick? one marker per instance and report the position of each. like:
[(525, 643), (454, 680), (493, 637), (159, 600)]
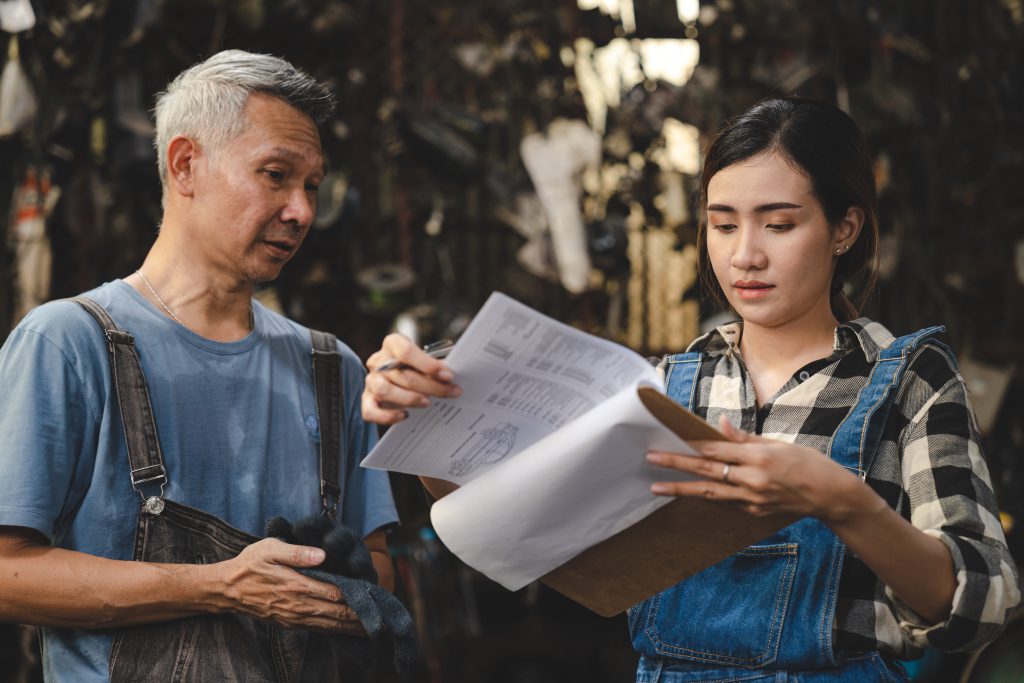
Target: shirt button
[(804, 376)]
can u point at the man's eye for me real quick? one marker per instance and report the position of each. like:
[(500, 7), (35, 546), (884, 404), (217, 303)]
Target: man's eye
[(780, 226), (312, 187), (274, 175)]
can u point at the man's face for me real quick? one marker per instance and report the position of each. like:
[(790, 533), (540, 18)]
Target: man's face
[(255, 196)]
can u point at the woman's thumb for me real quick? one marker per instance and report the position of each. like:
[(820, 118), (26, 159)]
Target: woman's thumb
[(732, 433)]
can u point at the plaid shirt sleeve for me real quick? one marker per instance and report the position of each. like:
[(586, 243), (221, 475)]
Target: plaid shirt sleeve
[(951, 498)]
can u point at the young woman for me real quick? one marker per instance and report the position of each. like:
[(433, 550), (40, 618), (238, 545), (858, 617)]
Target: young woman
[(869, 439)]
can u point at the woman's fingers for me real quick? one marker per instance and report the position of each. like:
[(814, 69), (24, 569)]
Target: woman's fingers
[(729, 474), (732, 433)]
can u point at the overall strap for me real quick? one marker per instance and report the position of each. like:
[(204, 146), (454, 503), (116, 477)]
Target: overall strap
[(328, 386), (681, 371), (856, 440), (144, 455)]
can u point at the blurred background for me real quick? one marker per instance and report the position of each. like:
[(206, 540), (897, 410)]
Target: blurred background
[(548, 149)]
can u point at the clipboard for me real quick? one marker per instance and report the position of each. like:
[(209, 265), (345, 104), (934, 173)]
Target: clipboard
[(676, 541)]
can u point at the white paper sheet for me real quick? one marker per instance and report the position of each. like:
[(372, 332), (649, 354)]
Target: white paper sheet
[(547, 442), (579, 486), (523, 376)]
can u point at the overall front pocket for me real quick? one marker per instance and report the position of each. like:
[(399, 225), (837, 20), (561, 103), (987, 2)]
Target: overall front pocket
[(731, 613)]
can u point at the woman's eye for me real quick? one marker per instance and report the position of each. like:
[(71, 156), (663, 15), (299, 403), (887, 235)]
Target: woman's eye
[(312, 188), (725, 227), (780, 226)]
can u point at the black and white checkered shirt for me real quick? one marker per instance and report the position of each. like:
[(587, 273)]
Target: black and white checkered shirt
[(929, 467)]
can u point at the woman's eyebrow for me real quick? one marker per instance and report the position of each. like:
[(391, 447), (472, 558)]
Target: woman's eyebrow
[(774, 206)]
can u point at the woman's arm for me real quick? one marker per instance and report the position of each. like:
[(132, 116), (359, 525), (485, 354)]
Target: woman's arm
[(769, 477)]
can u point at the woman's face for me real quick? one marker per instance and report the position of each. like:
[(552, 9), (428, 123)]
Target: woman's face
[(770, 244)]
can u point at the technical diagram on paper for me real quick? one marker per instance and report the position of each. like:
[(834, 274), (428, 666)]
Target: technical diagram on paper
[(491, 446), (547, 443), (523, 376)]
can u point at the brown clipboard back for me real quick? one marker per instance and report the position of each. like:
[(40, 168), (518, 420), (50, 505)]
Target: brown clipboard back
[(672, 543)]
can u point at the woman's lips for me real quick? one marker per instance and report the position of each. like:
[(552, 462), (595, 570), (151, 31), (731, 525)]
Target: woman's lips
[(752, 289)]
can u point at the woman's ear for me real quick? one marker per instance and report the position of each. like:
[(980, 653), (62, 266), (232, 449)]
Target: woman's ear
[(849, 228)]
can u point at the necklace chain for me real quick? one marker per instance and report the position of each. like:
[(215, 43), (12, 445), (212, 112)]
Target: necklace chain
[(252, 317), (159, 300)]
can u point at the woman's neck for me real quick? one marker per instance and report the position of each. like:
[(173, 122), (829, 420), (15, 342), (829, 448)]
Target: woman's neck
[(773, 353)]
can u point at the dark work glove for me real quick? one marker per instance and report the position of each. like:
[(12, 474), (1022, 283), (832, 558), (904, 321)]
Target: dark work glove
[(349, 567), (347, 555)]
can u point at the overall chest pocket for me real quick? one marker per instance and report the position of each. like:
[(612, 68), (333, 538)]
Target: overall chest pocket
[(731, 613)]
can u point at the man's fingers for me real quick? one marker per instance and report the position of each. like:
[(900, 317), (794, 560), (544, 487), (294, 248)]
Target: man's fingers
[(385, 391), (327, 595), (410, 379), (381, 414), (325, 616), (401, 348), (275, 551)]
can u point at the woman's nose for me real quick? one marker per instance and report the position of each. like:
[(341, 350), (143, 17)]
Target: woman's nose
[(749, 252)]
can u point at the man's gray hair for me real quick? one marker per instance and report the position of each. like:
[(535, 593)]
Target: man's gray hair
[(205, 101)]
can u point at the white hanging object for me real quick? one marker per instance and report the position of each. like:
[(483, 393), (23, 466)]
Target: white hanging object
[(18, 104), (34, 199), (556, 161), (16, 16)]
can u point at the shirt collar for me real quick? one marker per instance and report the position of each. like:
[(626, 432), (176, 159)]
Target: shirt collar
[(863, 333)]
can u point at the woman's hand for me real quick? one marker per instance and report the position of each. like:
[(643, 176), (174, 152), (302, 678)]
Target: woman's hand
[(419, 376), (763, 476)]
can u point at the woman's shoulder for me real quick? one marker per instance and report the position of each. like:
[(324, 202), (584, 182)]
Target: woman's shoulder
[(878, 342)]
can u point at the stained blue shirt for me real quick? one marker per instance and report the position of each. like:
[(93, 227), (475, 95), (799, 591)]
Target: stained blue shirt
[(237, 424)]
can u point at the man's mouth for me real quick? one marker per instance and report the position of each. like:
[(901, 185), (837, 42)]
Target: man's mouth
[(280, 248)]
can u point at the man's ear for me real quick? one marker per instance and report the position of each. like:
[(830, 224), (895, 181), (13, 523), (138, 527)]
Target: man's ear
[(849, 227), (181, 158)]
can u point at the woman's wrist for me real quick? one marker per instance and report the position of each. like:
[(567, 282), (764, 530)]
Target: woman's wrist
[(850, 503)]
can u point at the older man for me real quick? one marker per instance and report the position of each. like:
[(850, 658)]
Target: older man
[(218, 426)]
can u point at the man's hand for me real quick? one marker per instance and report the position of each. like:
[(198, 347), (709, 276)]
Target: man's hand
[(410, 385), (263, 583)]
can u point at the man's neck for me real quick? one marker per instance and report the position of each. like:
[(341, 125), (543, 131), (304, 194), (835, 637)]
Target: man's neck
[(213, 304)]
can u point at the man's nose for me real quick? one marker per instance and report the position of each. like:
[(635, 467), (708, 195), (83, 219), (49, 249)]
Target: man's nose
[(301, 207)]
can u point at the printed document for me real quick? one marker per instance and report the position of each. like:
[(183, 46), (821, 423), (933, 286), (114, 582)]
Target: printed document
[(547, 442)]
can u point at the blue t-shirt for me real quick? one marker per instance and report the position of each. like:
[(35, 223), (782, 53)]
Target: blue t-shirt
[(237, 424)]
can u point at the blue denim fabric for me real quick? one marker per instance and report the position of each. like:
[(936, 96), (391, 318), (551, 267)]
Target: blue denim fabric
[(766, 613), (865, 667), (216, 647)]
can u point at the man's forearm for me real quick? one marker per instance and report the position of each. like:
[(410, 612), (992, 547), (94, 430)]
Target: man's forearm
[(46, 586), (377, 544)]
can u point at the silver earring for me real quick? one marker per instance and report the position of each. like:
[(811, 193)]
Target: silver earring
[(839, 251)]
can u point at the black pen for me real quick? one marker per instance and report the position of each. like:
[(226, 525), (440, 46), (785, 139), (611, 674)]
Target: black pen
[(438, 349)]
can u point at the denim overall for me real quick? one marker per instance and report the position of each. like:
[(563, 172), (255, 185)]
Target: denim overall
[(766, 613), (222, 646)]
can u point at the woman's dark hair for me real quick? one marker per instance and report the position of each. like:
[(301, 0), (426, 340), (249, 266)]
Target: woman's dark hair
[(825, 144)]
